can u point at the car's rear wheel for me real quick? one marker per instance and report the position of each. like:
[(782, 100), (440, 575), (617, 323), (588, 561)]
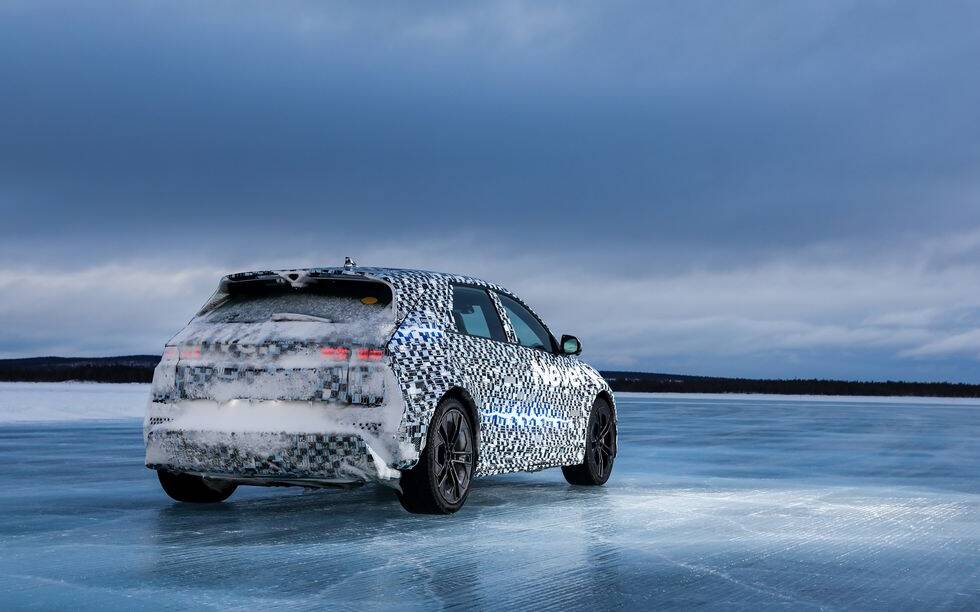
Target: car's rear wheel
[(440, 481), (194, 489), (600, 448)]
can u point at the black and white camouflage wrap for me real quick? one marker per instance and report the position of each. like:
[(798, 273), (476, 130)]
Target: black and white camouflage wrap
[(531, 406)]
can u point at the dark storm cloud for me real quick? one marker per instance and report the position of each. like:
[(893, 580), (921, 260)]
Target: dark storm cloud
[(664, 138), (754, 123)]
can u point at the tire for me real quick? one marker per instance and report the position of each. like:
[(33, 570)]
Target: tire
[(441, 480), (600, 448), (194, 489)]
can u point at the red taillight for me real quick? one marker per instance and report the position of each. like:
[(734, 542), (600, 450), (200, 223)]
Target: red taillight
[(370, 354), (339, 353), (190, 352)]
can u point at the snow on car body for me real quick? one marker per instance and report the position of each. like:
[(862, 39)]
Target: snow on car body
[(332, 376)]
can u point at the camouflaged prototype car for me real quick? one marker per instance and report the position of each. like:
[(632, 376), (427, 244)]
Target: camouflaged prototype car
[(339, 376)]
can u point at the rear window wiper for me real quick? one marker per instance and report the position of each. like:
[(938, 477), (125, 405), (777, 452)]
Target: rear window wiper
[(293, 316)]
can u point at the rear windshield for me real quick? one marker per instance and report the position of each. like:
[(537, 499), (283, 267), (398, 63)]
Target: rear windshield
[(319, 300)]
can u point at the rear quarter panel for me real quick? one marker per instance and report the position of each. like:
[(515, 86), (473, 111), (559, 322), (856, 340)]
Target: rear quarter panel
[(531, 415), (430, 359)]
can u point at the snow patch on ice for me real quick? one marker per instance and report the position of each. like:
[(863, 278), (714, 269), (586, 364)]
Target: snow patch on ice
[(70, 401), (765, 397)]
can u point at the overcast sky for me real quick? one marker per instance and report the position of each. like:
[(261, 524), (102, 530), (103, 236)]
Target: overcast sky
[(727, 188)]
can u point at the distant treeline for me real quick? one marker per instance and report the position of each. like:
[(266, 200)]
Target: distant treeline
[(680, 383), (139, 368), (126, 369)]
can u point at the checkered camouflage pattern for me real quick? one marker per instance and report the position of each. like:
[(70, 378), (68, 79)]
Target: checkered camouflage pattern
[(531, 407), (289, 456), (354, 385)]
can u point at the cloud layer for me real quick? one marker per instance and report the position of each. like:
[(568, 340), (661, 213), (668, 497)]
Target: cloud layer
[(910, 315), (748, 188)]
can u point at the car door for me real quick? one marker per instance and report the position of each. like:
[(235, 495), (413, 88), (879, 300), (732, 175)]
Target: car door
[(553, 410), (481, 350)]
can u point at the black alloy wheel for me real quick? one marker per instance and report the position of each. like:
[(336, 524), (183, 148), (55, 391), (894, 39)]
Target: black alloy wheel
[(440, 481), (600, 448), (453, 457)]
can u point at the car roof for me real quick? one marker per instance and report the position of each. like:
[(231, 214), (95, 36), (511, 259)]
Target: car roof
[(414, 289), (403, 280)]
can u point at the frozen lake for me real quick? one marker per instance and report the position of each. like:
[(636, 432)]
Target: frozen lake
[(715, 501)]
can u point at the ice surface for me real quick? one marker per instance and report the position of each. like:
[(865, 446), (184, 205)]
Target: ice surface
[(71, 401), (718, 502)]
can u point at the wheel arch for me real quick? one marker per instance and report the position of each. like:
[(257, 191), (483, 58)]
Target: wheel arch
[(605, 394), (464, 397)]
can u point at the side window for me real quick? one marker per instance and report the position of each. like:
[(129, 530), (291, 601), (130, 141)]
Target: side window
[(529, 330), (475, 314)]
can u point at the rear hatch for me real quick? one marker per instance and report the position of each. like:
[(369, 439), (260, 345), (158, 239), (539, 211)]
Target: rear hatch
[(286, 336)]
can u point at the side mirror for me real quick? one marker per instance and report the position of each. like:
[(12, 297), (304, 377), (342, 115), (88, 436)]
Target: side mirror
[(570, 345)]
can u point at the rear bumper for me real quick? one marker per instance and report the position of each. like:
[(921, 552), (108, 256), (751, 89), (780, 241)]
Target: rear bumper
[(268, 458), (275, 442)]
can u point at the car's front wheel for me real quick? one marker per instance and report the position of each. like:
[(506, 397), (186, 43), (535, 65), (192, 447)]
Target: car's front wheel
[(600, 448), (440, 481), (194, 489)]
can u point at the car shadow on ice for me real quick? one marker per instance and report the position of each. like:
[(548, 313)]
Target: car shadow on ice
[(302, 535), (372, 510), (518, 491)]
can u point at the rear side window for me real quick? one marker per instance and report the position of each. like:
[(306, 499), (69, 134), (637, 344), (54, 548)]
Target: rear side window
[(529, 330), (475, 314)]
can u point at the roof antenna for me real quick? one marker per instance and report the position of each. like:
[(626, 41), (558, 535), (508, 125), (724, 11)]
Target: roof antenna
[(349, 263)]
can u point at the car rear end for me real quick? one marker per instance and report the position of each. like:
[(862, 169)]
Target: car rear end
[(282, 378)]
